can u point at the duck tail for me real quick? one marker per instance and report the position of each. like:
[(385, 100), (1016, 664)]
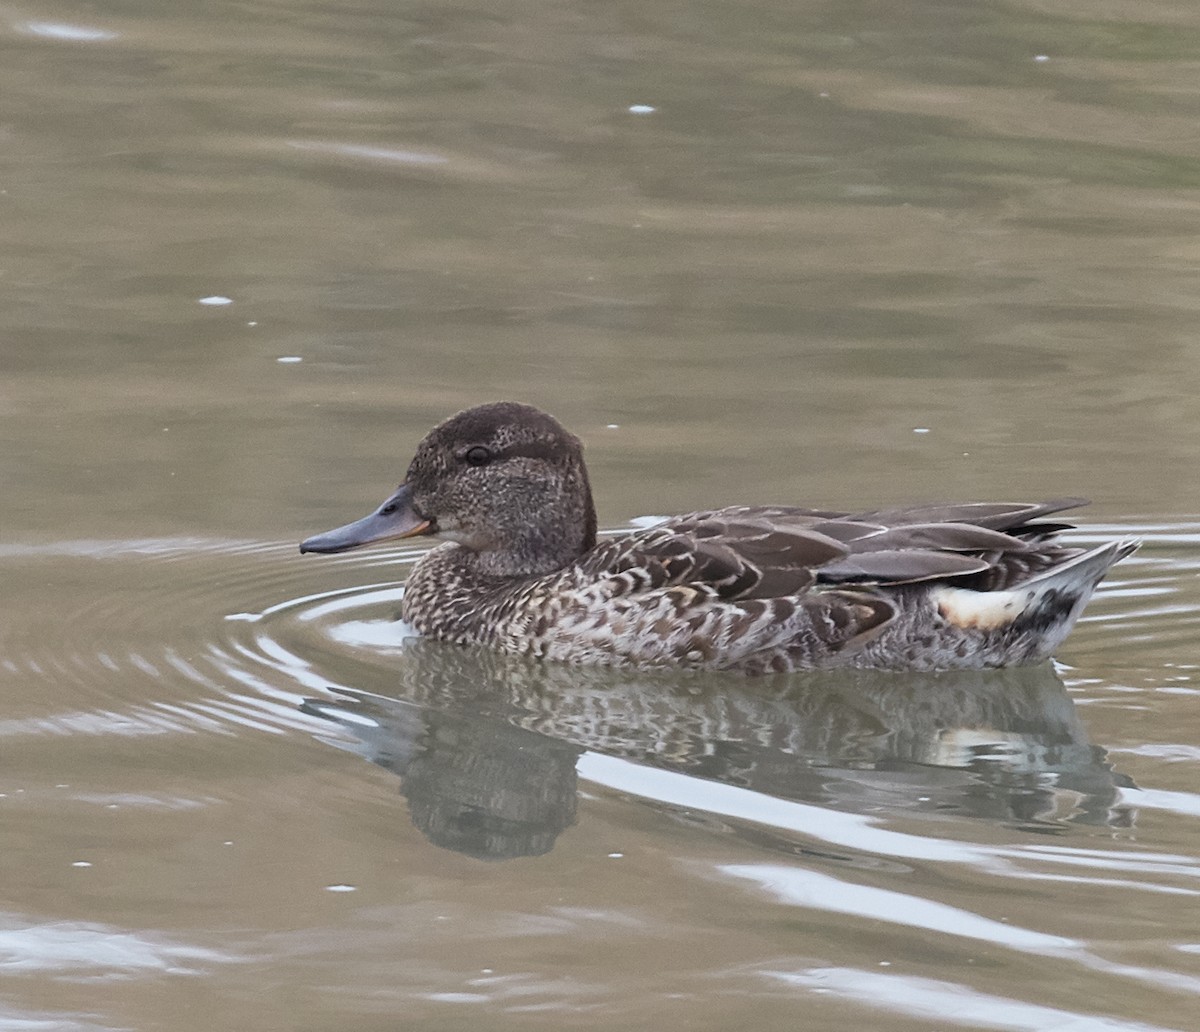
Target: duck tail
[(1081, 573), (1028, 621), (1058, 596)]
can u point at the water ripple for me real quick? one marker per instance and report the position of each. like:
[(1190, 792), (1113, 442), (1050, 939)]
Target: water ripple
[(949, 1003), (863, 798), (202, 636)]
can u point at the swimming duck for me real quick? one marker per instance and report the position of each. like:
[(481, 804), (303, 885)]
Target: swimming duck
[(752, 588)]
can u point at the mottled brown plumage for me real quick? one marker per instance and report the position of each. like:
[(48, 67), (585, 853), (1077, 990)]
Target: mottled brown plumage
[(753, 588)]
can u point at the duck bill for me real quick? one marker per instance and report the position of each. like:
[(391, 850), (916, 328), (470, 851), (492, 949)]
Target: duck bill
[(395, 518)]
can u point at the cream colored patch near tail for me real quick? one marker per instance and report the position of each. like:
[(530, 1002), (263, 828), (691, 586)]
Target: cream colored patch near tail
[(980, 610)]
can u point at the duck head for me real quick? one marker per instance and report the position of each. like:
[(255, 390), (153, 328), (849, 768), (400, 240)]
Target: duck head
[(504, 480)]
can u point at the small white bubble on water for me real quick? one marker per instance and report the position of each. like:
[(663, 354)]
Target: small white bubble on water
[(341, 888), (216, 299), (614, 426), (81, 863), (254, 323), (920, 429), (289, 359), (616, 856), (1041, 57), (641, 109)]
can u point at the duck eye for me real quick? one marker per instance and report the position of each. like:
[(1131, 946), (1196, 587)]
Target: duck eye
[(477, 456)]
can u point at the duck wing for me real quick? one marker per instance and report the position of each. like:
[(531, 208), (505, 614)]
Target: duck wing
[(1007, 517), (708, 590), (732, 555), (989, 545), (765, 552), (722, 587)]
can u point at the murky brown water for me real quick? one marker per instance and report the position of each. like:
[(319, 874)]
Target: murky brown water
[(855, 254)]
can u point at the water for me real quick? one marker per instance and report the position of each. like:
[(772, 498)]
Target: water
[(853, 256)]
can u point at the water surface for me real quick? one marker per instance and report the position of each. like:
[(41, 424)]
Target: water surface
[(828, 254)]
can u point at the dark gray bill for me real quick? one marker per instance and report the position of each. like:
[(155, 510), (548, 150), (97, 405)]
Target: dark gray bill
[(395, 518)]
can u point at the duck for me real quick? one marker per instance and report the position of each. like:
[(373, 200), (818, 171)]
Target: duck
[(752, 588)]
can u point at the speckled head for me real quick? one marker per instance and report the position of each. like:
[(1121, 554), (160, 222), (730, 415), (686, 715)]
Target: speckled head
[(504, 480), (507, 481)]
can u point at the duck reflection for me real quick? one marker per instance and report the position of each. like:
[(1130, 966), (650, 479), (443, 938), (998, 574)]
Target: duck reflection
[(485, 745)]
